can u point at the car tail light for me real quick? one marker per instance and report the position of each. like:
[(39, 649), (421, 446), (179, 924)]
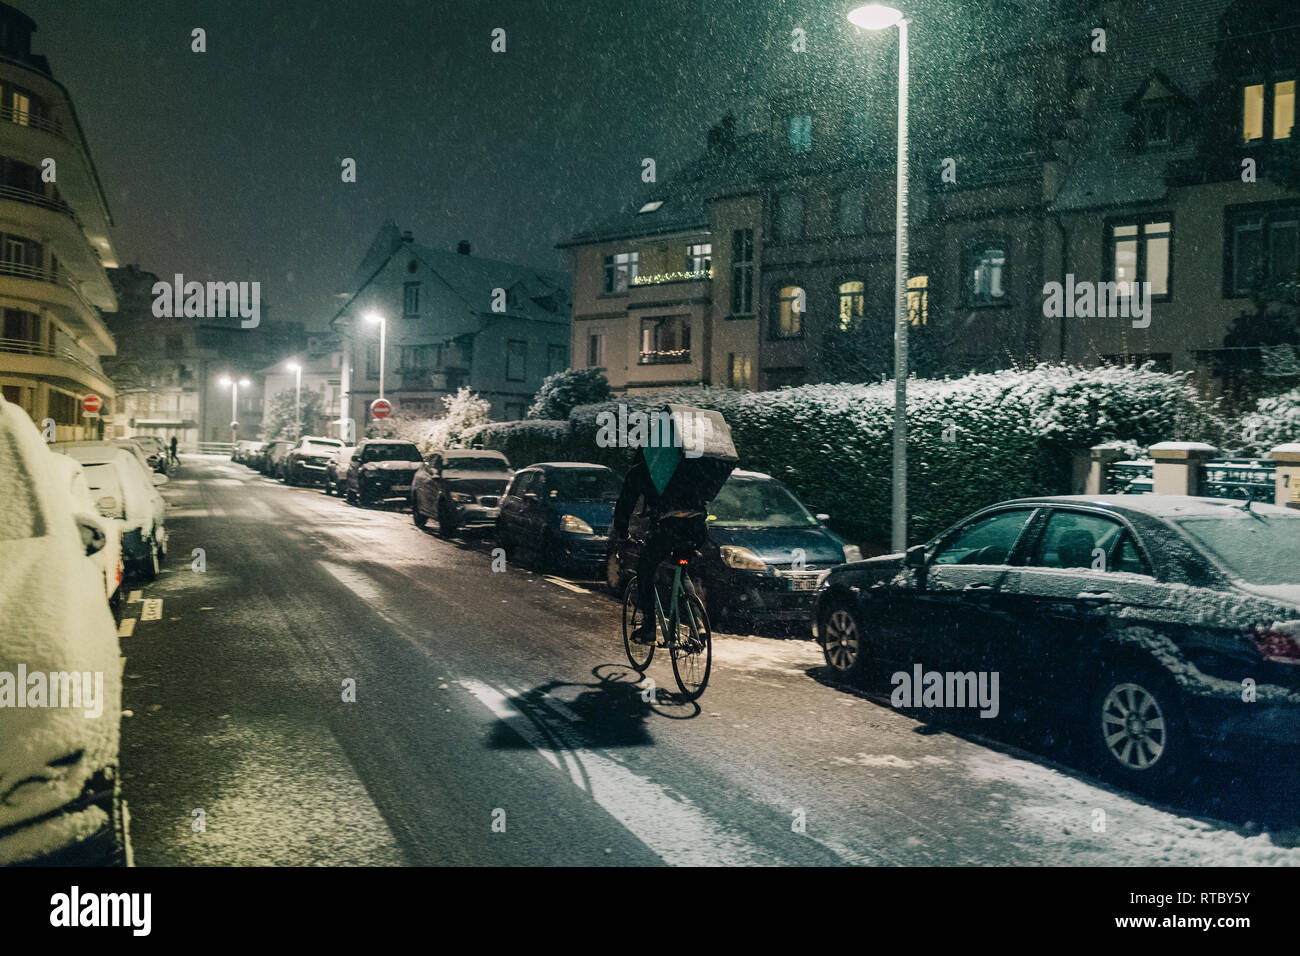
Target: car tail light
[(1278, 642)]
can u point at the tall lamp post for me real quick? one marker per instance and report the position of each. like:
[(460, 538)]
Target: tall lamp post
[(233, 384), (875, 16), (297, 399), (377, 317)]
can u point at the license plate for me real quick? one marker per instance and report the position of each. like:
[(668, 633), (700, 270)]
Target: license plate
[(803, 584), (401, 487)]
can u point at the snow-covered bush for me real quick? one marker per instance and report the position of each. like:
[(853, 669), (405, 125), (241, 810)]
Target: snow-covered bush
[(523, 443), (1275, 421), (561, 392), (464, 410)]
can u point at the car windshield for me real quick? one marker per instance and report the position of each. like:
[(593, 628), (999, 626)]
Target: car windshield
[(748, 503), (397, 452), (1257, 548), (474, 464), (590, 484)]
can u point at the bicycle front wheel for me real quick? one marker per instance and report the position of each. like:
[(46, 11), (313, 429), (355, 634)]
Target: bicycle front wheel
[(692, 649), (638, 655)]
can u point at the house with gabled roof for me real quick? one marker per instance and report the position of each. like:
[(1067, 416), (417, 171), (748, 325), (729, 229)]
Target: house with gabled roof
[(450, 319)]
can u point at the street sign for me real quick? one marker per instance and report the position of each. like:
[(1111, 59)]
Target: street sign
[(91, 404), (381, 408)]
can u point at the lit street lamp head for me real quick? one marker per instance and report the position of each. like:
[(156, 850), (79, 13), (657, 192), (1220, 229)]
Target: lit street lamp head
[(374, 317), (875, 16)]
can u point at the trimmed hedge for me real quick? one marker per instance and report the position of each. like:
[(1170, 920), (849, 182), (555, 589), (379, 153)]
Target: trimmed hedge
[(971, 441), (1275, 421)]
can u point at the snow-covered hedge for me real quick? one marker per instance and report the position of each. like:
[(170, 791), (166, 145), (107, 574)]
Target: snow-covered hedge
[(524, 443), (1275, 421), (972, 441)]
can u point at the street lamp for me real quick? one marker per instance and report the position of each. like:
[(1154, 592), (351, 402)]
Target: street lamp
[(297, 399), (227, 382), (376, 317), (876, 16)]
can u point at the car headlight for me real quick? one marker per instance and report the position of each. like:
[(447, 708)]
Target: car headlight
[(461, 498), (734, 556), (852, 553), (575, 524)]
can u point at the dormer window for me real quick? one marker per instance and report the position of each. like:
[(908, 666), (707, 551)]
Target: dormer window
[(1157, 123)]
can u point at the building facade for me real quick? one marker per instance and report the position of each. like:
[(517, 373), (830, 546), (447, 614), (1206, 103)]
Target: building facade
[(1042, 151), (451, 320), (54, 246)]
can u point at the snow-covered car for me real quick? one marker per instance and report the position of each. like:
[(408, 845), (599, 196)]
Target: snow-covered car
[(86, 511), (155, 452), (1164, 627), (336, 470), (459, 488), (379, 469), (127, 491), (60, 797), (272, 460), (305, 462)]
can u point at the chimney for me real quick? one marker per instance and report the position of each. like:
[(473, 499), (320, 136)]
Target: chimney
[(463, 247), (408, 236)]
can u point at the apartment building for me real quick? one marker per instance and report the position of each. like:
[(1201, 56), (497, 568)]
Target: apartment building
[(54, 245)]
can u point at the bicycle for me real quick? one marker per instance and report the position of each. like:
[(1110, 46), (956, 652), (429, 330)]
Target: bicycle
[(684, 631)]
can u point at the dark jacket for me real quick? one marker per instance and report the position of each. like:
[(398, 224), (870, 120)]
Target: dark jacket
[(681, 498)]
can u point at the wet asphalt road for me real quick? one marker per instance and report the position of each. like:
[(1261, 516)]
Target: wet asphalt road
[(496, 722)]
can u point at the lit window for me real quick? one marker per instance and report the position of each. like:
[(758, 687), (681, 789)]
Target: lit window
[(22, 108), (988, 263), (741, 373), (1138, 251), (699, 258), (918, 300), (620, 270), (665, 340), (1268, 110), (800, 133), (1283, 109), (853, 303), (791, 303)]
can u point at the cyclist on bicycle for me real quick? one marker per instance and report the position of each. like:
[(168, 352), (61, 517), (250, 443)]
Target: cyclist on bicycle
[(677, 522)]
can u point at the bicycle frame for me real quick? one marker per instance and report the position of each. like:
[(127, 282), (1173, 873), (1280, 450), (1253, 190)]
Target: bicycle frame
[(670, 634)]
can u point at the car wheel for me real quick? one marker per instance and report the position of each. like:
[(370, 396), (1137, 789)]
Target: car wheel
[(1136, 725), (115, 606), (420, 519), (446, 522), (349, 495), (843, 642)]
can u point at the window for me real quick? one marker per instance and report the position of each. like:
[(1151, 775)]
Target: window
[(620, 270), (800, 133), (918, 300), (596, 350), (557, 358), (1263, 248), (372, 361), (787, 216), (850, 210), (1267, 108), (987, 540), (791, 303), (1157, 119), (987, 271), (22, 108), (22, 326), (699, 258), (420, 358), (742, 271), (516, 354), (411, 299), (740, 373), (1075, 540), (853, 303), (665, 340), (1137, 250)]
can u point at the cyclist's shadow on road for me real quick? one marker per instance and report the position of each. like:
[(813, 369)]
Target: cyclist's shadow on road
[(611, 711)]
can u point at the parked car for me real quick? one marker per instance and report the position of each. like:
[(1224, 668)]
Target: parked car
[(255, 455), (88, 512), (336, 470), (273, 458), (460, 488), (765, 555), (58, 769), (1140, 616), (304, 464), (560, 513), (243, 448), (155, 451), (127, 491), (381, 468)]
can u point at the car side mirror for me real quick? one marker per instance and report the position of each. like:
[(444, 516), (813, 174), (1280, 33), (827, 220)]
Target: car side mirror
[(93, 537), (159, 478), (914, 557)]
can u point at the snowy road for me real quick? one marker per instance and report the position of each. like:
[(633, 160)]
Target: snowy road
[(495, 722)]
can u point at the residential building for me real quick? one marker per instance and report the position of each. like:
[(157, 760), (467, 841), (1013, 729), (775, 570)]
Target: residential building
[(451, 319), (321, 369), (54, 245), (1042, 150)]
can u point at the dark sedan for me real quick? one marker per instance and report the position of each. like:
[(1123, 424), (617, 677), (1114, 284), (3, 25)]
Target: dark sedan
[(1169, 627), (459, 488), (381, 468), (765, 556), (559, 513)]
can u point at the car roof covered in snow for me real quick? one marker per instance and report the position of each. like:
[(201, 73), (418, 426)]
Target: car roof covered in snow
[(1160, 506)]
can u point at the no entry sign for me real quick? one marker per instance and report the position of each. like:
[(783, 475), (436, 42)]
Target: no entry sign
[(91, 404), (381, 408)]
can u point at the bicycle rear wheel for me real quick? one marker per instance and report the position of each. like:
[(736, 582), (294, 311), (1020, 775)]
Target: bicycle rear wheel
[(638, 655), (692, 649)]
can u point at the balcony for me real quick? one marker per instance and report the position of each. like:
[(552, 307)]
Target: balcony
[(63, 362), (664, 357), (58, 292), (664, 278), (28, 118), (30, 198)]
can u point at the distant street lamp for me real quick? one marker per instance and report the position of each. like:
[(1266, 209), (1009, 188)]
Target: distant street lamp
[(376, 317), (297, 399), (876, 16), (227, 382)]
